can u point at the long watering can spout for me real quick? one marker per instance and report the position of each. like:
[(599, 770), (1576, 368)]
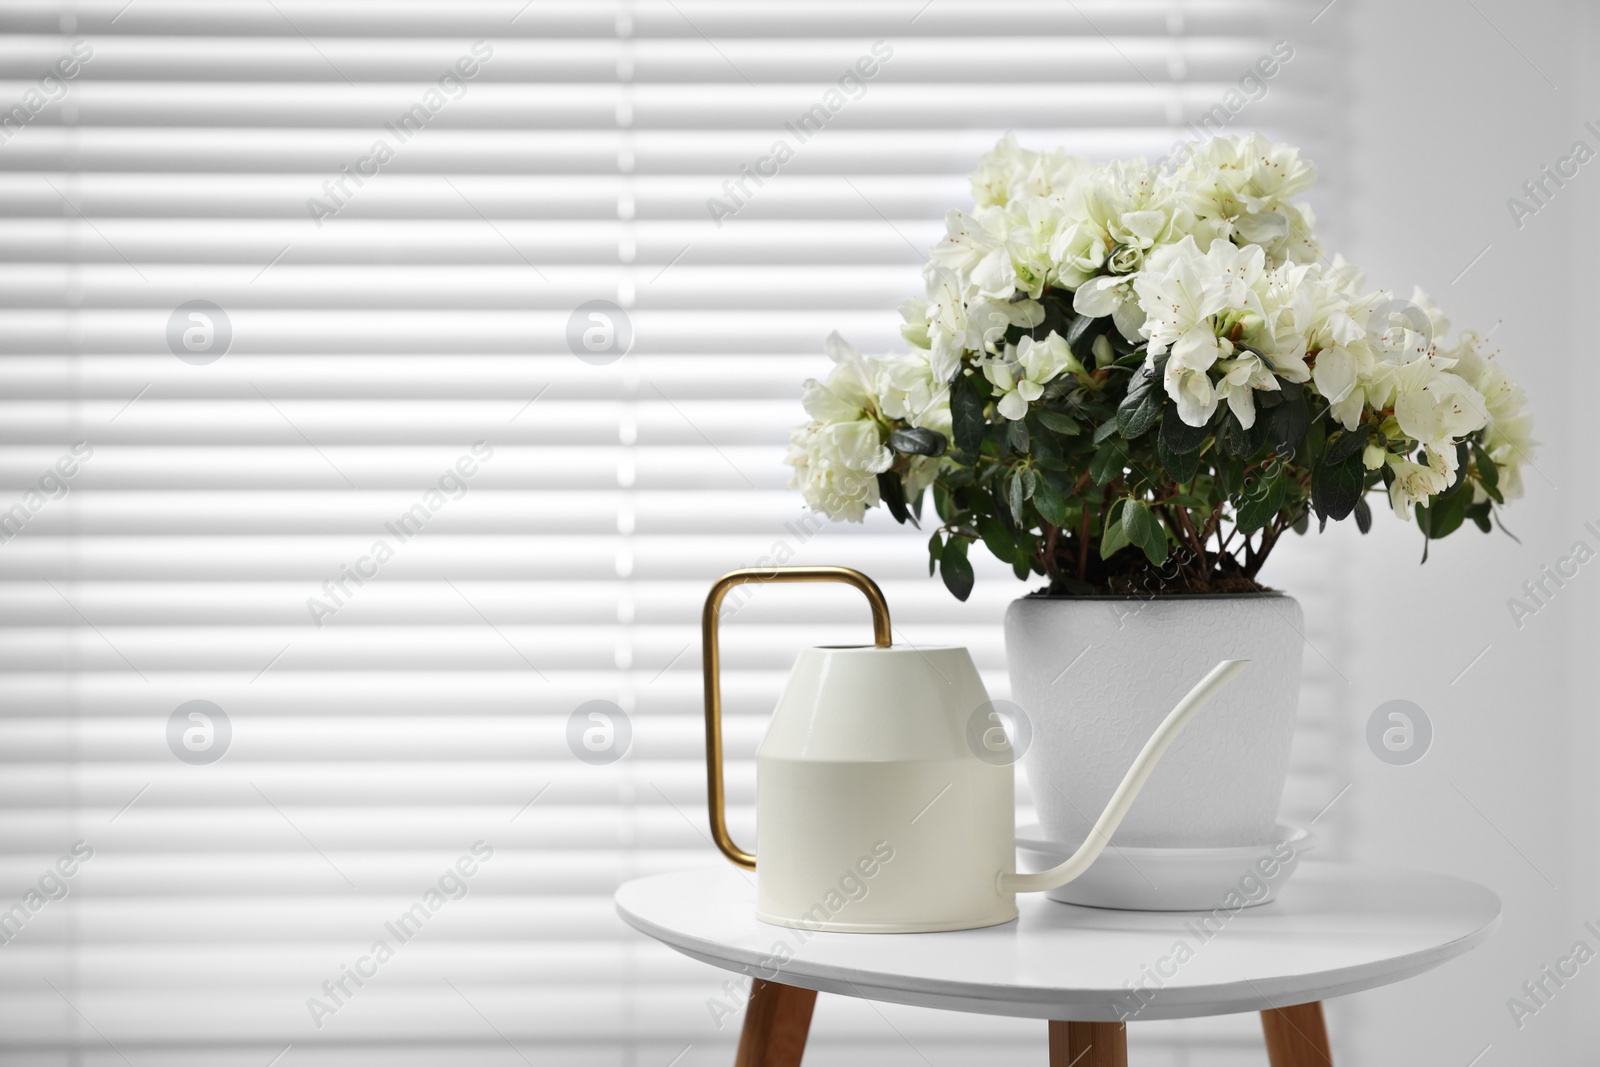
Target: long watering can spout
[(1123, 798)]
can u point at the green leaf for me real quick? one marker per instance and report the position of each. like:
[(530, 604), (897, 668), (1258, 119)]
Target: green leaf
[(1015, 495), (1048, 450), (1140, 529), (955, 478), (1335, 487), (1105, 431), (1050, 504), (966, 414), (1018, 435), (1058, 422), (1080, 337), (955, 568), (935, 549), (1488, 475), (1261, 500), (1345, 445), (1480, 513), (1108, 462), (1136, 521), (1230, 475), (1443, 515), (1316, 442), (996, 538), (1141, 407), (1058, 317), (1113, 538), (1242, 442), (1178, 435), (918, 441), (1363, 513), (893, 493), (1287, 424), (1155, 544), (1180, 466), (1002, 506)]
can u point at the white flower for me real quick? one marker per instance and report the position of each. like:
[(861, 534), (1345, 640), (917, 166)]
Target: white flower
[(1414, 484), (1508, 437), (838, 455), (1051, 172), (1028, 227), (952, 323), (1183, 289), (821, 455), (907, 389), (847, 393), (1007, 172), (1079, 250), (1111, 294), (998, 169), (1510, 445), (1292, 298), (1347, 371), (917, 314), (950, 328), (1214, 266), (1435, 407), (1020, 373), (1113, 217), (1239, 189), (1192, 391), (1344, 365), (1190, 301), (1241, 377), (972, 254)]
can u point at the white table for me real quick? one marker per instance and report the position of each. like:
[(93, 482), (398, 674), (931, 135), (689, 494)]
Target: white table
[(1335, 929)]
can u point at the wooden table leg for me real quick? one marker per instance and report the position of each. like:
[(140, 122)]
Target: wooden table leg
[(1296, 1036), (776, 1021), (1088, 1044)]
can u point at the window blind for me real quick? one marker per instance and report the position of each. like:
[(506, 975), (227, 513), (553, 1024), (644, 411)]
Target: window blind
[(351, 595)]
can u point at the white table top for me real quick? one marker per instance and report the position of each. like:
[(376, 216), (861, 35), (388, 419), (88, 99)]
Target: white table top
[(1335, 929)]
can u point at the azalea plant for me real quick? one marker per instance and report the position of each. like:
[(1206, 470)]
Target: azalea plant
[(1126, 377)]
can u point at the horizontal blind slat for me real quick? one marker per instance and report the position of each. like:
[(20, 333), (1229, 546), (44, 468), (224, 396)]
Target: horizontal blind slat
[(368, 354)]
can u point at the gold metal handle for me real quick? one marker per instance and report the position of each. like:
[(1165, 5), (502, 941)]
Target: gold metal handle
[(708, 630)]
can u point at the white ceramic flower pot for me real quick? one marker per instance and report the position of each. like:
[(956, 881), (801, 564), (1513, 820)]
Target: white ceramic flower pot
[(1096, 675)]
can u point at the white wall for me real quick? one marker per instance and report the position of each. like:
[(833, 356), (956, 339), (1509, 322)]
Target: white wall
[(1455, 105)]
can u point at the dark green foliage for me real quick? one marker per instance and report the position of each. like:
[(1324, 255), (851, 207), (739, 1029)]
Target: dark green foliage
[(1102, 487)]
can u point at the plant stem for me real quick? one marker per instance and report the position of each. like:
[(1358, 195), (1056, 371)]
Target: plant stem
[(1194, 539), (1269, 537), (1083, 546), (1213, 525)]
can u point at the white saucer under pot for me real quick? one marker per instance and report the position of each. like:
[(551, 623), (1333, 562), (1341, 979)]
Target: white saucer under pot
[(1172, 879)]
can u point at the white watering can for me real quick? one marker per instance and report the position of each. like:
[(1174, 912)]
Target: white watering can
[(884, 786)]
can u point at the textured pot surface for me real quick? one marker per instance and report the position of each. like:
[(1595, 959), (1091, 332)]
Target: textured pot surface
[(1097, 675)]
